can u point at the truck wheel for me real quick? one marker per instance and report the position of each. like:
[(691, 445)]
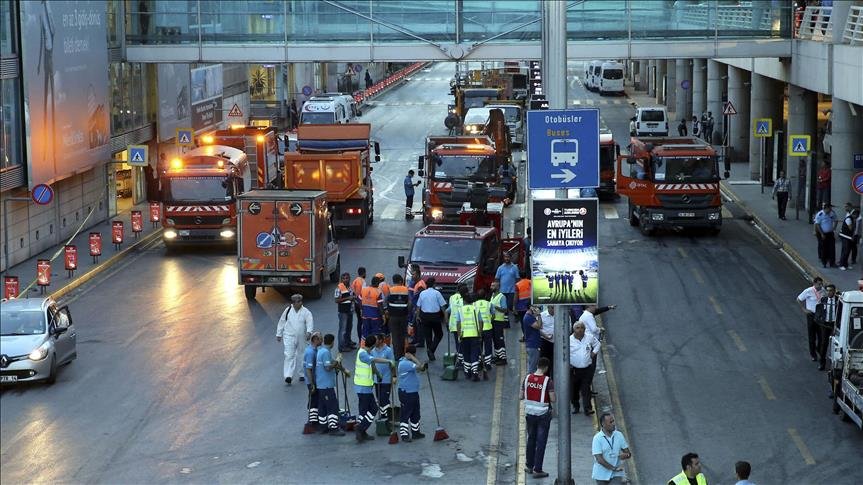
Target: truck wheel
[(836, 408), (364, 227), (645, 229), (633, 217), (334, 276), (317, 291), (250, 291)]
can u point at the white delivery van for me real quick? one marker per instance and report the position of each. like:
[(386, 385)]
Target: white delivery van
[(593, 71), (611, 78), (329, 109), (651, 121)]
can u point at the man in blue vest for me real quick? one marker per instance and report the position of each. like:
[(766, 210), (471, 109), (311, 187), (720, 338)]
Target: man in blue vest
[(384, 374), (409, 395), (364, 387), (310, 364), (325, 383)]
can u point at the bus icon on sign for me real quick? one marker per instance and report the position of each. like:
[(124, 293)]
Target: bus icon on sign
[(564, 151)]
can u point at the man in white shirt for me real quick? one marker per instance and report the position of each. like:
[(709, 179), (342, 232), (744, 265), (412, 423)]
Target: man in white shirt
[(592, 329), (546, 332), (808, 300), (582, 350), (294, 328), (609, 448)]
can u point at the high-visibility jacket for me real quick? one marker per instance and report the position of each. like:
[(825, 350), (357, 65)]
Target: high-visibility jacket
[(363, 372), (397, 301), (348, 305), (499, 301), (522, 291), (370, 298), (414, 291), (483, 307), (680, 479), (455, 302), (357, 286), (385, 288), (467, 314)]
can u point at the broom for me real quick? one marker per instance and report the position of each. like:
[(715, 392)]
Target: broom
[(309, 427), (351, 420), (439, 432), (394, 436)]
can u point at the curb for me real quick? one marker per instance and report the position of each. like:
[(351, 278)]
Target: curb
[(808, 270), (105, 265)]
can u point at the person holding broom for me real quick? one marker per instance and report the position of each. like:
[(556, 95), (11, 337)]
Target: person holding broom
[(364, 386), (409, 389), (310, 363)]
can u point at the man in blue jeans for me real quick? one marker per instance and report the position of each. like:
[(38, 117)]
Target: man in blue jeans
[(537, 391), (532, 339), (507, 273)]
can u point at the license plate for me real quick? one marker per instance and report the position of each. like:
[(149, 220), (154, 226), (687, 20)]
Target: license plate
[(652, 125), (686, 214), (279, 279), (183, 232), (8, 378)]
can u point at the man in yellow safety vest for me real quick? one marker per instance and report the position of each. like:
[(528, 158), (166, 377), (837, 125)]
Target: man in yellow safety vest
[(364, 386), (455, 302), (483, 307), (468, 324), (691, 474)]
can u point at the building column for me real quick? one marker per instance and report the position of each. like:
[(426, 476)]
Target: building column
[(764, 103), (802, 120), (699, 87), (642, 74), (670, 86), (651, 77), (846, 141), (738, 129), (660, 81), (717, 79), (683, 100)]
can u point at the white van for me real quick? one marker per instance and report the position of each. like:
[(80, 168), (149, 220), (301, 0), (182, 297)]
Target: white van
[(591, 81), (329, 109), (650, 121), (611, 78)]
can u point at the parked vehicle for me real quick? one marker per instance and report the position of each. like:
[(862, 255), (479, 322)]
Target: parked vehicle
[(611, 78), (609, 150), (37, 337), (475, 120), (846, 359), (650, 121), (592, 74), (328, 109), (513, 114)]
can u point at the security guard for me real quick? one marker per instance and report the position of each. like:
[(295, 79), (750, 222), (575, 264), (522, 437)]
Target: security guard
[(310, 364), (483, 308), (397, 313), (691, 473), (325, 382), (409, 395), (373, 309), (455, 302), (364, 387), (468, 323), (498, 322), (384, 374)]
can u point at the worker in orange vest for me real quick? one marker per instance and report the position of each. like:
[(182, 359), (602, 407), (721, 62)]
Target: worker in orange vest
[(397, 311), (373, 309), (357, 286), (522, 300)]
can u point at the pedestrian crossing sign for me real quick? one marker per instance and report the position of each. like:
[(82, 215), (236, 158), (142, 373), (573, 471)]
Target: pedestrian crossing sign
[(184, 137), (799, 145), (138, 155), (763, 128)]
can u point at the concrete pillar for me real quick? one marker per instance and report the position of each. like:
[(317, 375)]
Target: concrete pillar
[(738, 130), (642, 74), (717, 85), (846, 141), (651, 77), (660, 81), (802, 120), (699, 87), (683, 101), (670, 86), (765, 102)]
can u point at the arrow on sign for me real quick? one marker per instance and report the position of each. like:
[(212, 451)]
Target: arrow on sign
[(566, 175), (296, 209)]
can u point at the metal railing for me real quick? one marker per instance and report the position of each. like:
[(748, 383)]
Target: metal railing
[(817, 24), (853, 33)]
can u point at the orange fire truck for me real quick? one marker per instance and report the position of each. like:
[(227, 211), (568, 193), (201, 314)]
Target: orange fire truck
[(671, 183)]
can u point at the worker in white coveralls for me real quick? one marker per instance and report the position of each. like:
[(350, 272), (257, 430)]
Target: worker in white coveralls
[(295, 327)]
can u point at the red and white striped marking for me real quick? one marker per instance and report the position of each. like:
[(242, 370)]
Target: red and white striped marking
[(686, 186), (442, 185), (197, 208), (466, 276)]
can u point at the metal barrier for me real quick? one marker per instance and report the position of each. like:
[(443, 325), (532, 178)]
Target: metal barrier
[(853, 33), (364, 95), (817, 24)]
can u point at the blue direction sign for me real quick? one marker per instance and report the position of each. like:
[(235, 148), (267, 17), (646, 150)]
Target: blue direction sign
[(185, 137), (42, 194), (857, 183), (307, 90), (799, 145), (563, 148), (138, 155)]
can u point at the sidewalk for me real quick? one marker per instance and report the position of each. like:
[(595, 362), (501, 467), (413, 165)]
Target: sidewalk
[(61, 283)]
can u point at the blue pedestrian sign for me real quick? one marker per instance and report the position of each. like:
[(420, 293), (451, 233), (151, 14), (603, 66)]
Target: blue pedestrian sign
[(42, 194), (563, 148), (763, 128), (185, 137), (138, 155), (799, 145)]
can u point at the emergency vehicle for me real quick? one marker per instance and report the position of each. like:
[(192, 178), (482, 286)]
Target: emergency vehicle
[(198, 192), (609, 150), (286, 240), (328, 109), (671, 183), (260, 145), (846, 359)]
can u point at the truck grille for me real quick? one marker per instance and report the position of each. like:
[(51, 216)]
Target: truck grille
[(198, 220), (685, 201)]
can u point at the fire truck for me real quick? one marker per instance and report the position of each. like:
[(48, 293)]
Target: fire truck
[(608, 153), (260, 145), (336, 159), (671, 183)]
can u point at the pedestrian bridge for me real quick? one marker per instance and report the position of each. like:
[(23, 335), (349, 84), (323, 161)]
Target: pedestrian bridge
[(385, 30)]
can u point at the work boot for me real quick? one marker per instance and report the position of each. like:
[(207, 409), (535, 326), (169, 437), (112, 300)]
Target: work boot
[(367, 436), (406, 438), (418, 435), (476, 377), (485, 375)]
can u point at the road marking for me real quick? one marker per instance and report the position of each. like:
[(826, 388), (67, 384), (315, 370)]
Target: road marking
[(726, 214), (391, 212), (682, 252), (737, 340), (610, 212), (801, 446), (618, 411), (698, 277), (715, 305), (521, 461), (768, 392), (494, 449)]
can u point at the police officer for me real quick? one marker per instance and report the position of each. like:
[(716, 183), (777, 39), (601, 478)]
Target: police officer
[(409, 395), (498, 322), (691, 471), (310, 364), (483, 308), (325, 383), (364, 386), (409, 194), (373, 308), (397, 312), (345, 297), (384, 374), (455, 302), (468, 324)]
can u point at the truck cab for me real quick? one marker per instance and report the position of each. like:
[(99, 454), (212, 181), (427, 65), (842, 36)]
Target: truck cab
[(846, 359)]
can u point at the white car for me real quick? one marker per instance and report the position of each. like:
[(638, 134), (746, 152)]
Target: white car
[(36, 338), (650, 121)]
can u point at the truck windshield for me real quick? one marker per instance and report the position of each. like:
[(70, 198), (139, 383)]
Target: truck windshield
[(433, 250), (463, 167), (318, 118), (477, 101), (197, 189), (22, 322), (684, 169)]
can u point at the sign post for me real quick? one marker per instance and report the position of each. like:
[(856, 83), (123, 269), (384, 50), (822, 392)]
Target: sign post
[(762, 128), (43, 274), (155, 213), (137, 223), (10, 287), (117, 234), (42, 194)]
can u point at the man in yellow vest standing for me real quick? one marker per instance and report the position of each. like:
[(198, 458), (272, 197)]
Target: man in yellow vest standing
[(498, 322), (468, 324), (364, 386), (691, 474), (456, 300), (483, 308)]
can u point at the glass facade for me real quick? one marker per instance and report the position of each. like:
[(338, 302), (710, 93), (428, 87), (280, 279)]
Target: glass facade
[(10, 123), (7, 28), (128, 97)]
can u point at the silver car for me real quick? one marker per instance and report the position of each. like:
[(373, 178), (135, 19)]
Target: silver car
[(36, 338)]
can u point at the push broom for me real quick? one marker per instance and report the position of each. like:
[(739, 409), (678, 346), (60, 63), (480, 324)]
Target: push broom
[(394, 436), (309, 427), (439, 432)]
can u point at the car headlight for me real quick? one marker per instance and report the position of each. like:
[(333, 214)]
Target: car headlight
[(713, 216), (437, 214), (40, 352), (227, 233), (170, 234), (657, 217)]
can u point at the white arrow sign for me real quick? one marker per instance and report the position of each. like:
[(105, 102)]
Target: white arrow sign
[(566, 175)]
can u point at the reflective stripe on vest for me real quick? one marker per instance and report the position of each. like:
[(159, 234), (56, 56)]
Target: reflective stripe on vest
[(363, 372), (468, 321), (455, 303), (370, 298), (397, 301), (680, 479), (535, 394), (344, 291), (483, 307), (496, 302)]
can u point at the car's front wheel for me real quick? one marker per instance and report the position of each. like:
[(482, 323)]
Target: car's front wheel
[(52, 374)]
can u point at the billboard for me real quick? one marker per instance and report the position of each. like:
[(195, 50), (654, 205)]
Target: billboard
[(65, 45), (206, 96), (174, 99), (565, 254)]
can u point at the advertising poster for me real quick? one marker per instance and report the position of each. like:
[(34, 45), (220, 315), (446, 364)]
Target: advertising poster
[(174, 99), (565, 254), (64, 45), (206, 87)]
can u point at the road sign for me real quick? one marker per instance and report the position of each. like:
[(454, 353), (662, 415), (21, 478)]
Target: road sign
[(138, 155), (728, 109), (762, 127), (685, 84), (799, 145), (358, 68), (235, 112), (857, 183), (185, 137), (563, 148), (564, 256), (858, 161), (307, 90), (296, 209), (42, 194)]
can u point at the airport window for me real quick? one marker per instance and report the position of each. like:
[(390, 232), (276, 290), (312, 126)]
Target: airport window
[(10, 124), (128, 97), (7, 28)]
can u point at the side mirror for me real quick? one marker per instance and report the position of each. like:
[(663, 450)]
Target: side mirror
[(421, 161), (630, 160), (401, 261), (377, 148), (371, 169)]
